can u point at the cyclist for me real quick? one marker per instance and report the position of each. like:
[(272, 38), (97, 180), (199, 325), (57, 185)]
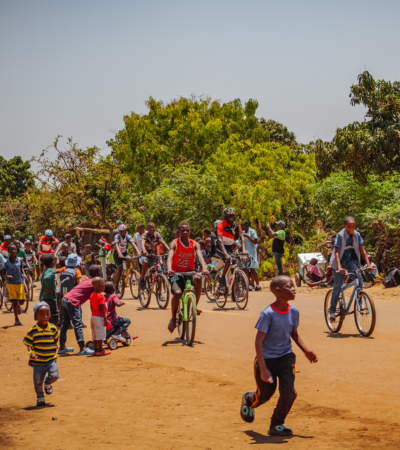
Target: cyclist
[(4, 245), (181, 258), (227, 232), (30, 259), (46, 242), (122, 239), (150, 242)]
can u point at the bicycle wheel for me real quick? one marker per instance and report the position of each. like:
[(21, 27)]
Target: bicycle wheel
[(162, 291), (24, 307), (145, 295), (335, 326), (219, 297), (210, 289), (134, 283), (7, 304), (120, 288), (364, 314), (1, 296), (190, 325), (240, 289), (31, 288)]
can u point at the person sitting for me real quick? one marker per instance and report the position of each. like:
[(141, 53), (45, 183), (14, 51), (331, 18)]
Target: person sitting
[(313, 274), (327, 280), (120, 324), (369, 277)]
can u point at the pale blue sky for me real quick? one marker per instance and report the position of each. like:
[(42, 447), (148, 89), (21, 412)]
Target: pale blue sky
[(76, 67)]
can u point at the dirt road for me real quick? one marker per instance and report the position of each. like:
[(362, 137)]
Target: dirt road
[(160, 394)]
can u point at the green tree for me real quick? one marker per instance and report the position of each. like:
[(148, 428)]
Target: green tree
[(279, 133), (372, 146), (15, 177)]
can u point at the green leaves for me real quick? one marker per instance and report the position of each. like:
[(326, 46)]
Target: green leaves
[(15, 177)]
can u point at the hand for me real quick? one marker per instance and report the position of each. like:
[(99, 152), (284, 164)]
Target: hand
[(226, 255), (311, 356), (342, 271), (33, 355), (171, 272), (268, 225), (205, 272), (105, 322), (121, 256), (266, 375), (370, 269), (145, 253), (9, 277)]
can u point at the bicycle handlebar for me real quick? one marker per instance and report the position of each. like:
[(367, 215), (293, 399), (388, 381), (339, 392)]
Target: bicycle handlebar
[(189, 274)]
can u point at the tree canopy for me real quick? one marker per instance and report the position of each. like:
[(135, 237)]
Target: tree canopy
[(15, 177)]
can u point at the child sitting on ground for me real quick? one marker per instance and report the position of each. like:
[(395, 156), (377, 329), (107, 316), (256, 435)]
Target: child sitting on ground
[(313, 274), (119, 323), (277, 324), (327, 280), (41, 341), (89, 258), (99, 319)]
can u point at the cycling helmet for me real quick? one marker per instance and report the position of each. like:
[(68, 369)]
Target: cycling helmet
[(7, 236), (48, 233), (229, 210), (216, 223), (122, 227), (281, 223)]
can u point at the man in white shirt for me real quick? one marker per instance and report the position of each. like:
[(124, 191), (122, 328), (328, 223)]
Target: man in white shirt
[(137, 238)]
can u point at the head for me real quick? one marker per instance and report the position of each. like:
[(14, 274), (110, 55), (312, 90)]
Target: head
[(349, 224), (109, 287), (7, 239), (140, 228), (122, 229), (202, 244), (48, 234), (327, 226), (245, 225), (72, 260), (61, 261), (88, 248), (41, 313), (94, 271), (370, 258), (16, 242), (206, 233), (35, 245), (283, 288), (197, 239), (98, 284), (184, 230), (48, 261), (68, 239), (12, 250), (313, 261), (64, 247), (27, 245), (118, 222), (328, 270), (22, 239), (151, 228), (229, 214), (176, 234), (280, 224)]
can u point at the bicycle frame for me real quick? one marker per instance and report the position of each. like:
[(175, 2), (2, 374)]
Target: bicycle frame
[(184, 298), (354, 295)]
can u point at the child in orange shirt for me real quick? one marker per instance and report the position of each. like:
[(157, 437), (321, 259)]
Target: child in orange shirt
[(99, 316)]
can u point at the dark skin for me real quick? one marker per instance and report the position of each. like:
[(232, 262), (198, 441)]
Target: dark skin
[(245, 228), (271, 232), (43, 318), (207, 239), (151, 229), (285, 293), (52, 266), (184, 232), (99, 286), (230, 218), (12, 250), (118, 248)]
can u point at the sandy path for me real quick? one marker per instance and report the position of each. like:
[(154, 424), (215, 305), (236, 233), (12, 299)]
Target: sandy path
[(161, 394)]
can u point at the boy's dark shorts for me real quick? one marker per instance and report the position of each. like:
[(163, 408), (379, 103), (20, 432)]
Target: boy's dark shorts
[(180, 284), (117, 260)]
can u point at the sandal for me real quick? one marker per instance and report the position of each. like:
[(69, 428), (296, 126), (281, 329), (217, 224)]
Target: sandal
[(246, 413), (48, 388), (199, 311), (280, 430)]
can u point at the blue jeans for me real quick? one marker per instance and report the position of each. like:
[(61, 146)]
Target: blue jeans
[(278, 262), (73, 314), (120, 325), (39, 375), (338, 282)]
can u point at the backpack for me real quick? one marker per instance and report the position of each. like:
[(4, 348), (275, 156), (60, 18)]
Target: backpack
[(214, 243), (392, 278), (67, 279)]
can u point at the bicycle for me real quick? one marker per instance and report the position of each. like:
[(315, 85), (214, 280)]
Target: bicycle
[(186, 314), (364, 308), (124, 279), (155, 279), (28, 272), (22, 308), (238, 286)]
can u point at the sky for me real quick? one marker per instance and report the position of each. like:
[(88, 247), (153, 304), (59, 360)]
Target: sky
[(75, 68)]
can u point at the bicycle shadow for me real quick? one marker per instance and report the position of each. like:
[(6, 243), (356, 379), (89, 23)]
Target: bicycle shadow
[(181, 342), (346, 335), (140, 308), (225, 309), (259, 438)]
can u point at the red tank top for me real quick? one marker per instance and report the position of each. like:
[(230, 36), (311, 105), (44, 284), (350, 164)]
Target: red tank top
[(183, 259)]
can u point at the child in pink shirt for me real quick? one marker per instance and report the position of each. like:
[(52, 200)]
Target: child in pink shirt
[(120, 324)]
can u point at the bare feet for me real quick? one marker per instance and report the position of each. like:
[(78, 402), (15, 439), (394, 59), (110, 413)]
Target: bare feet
[(172, 325)]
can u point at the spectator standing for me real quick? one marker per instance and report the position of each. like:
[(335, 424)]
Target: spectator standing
[(278, 245), (70, 244)]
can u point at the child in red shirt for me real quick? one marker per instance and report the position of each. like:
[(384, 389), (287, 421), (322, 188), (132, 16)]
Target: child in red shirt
[(99, 319)]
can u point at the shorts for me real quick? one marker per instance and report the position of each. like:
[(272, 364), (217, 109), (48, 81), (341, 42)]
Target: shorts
[(143, 259), (219, 254), (98, 328), (16, 291), (117, 260), (180, 283)]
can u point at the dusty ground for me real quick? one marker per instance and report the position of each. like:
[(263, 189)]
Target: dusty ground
[(160, 394)]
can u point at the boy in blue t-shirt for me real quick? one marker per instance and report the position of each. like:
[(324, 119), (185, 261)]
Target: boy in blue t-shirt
[(276, 326)]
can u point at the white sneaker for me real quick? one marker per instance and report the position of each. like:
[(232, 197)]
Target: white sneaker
[(332, 317), (118, 337)]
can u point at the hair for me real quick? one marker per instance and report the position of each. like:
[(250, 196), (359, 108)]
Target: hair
[(88, 245), (207, 231), (245, 222), (64, 243), (278, 282), (349, 219), (327, 225), (16, 242), (140, 225), (61, 260), (202, 243), (150, 223), (110, 287), (94, 271), (329, 268), (12, 245), (182, 224), (313, 261), (197, 239), (48, 260), (97, 281)]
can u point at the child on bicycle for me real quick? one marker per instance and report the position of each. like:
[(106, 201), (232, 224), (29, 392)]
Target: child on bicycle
[(347, 252), (277, 325), (181, 258)]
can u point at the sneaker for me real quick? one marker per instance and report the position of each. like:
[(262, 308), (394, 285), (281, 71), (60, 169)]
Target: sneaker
[(118, 337), (86, 352), (48, 388), (17, 323), (40, 402), (332, 317), (250, 288), (142, 285), (258, 288), (65, 350), (34, 285)]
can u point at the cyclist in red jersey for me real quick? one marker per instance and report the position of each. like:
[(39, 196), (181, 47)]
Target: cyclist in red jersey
[(228, 231), (4, 245), (45, 243), (181, 255)]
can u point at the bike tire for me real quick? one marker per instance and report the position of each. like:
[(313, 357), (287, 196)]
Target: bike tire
[(162, 291), (1, 297), (24, 307), (337, 325), (359, 316), (134, 283), (210, 289), (8, 304), (30, 279), (220, 299), (121, 285), (145, 295), (190, 327), (240, 291)]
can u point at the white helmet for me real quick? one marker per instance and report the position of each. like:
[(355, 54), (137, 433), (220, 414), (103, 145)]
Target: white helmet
[(122, 227)]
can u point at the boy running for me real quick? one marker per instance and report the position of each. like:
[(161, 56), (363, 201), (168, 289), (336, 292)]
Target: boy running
[(277, 323)]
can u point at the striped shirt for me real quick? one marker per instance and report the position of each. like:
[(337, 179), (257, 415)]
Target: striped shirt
[(43, 343)]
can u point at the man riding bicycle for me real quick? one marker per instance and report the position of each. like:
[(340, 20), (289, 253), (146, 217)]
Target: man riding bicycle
[(46, 242), (150, 242), (122, 239), (181, 258), (227, 232)]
